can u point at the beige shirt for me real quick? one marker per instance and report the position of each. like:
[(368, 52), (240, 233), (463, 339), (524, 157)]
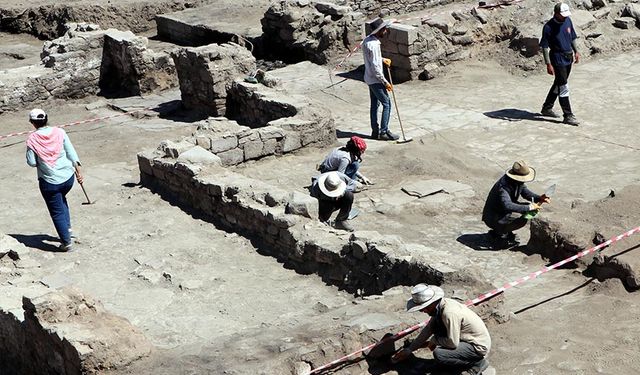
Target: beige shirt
[(462, 325)]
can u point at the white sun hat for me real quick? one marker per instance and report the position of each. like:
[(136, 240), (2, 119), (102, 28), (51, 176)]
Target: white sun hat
[(423, 295), (331, 184)]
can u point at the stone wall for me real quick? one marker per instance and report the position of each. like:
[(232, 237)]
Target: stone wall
[(128, 68), (176, 30), (375, 7), (71, 69), (206, 73), (67, 333), (363, 261), (421, 52), (310, 30), (48, 21)]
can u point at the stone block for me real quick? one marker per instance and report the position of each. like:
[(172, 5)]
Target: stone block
[(302, 204), (144, 163), (174, 149), (270, 147), (198, 155), (431, 71), (232, 157), (624, 22), (602, 13), (403, 34), (253, 149), (632, 10), (224, 143), (463, 40), (582, 19), (292, 142), (204, 142)]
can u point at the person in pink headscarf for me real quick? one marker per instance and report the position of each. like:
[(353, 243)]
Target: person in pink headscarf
[(51, 152)]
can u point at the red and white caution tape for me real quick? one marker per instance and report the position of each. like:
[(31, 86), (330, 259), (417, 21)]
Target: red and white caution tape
[(482, 297), (78, 122)]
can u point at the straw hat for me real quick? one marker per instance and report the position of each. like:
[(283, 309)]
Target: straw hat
[(331, 184), (423, 295), (521, 172), (379, 24)]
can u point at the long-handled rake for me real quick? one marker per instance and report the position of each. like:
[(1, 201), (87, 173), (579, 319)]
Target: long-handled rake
[(395, 104)]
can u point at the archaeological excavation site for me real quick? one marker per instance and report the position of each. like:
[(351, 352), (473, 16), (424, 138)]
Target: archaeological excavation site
[(171, 213)]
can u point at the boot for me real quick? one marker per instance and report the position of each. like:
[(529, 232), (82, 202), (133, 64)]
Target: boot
[(343, 225)]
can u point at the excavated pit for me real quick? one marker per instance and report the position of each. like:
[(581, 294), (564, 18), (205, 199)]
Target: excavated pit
[(566, 232)]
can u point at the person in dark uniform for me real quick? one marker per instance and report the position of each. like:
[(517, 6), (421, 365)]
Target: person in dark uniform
[(502, 212), (558, 45)]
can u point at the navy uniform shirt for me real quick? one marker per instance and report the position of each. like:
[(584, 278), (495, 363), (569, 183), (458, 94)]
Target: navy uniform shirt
[(558, 37)]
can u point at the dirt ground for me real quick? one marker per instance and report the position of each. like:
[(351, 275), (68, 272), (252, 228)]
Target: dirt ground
[(225, 309)]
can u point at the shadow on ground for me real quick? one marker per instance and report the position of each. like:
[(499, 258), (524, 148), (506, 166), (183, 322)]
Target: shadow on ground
[(37, 241), (514, 114)]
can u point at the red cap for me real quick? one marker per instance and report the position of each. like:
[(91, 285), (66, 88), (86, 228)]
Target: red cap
[(360, 144)]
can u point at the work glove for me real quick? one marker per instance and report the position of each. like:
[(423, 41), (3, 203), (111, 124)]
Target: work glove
[(366, 181), (387, 62), (534, 207), (389, 87)]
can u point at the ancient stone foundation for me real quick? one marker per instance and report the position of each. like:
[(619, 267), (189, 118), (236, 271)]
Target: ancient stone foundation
[(128, 68), (281, 224), (206, 73), (67, 333), (310, 30), (561, 234)]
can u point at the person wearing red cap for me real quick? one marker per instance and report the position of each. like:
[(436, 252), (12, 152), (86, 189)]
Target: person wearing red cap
[(346, 160)]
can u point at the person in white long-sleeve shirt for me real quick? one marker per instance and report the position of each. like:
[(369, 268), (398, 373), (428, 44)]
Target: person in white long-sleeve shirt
[(375, 79)]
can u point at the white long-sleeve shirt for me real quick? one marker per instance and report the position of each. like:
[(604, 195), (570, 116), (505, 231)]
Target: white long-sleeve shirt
[(373, 72)]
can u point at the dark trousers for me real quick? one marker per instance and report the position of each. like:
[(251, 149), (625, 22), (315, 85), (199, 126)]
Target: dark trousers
[(561, 74), (508, 223), (463, 357), (326, 207), (55, 196)]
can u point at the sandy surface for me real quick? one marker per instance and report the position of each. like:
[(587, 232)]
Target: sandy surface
[(226, 307)]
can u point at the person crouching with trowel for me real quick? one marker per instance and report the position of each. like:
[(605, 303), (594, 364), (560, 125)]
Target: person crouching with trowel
[(331, 191), (503, 213), (457, 336), (347, 160)]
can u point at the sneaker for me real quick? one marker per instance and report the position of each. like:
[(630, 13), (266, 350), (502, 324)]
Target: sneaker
[(343, 225), (513, 237), (478, 368), (548, 112), (571, 120), (65, 248), (388, 136), (374, 134)]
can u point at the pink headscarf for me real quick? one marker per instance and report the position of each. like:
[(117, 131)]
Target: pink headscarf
[(47, 147)]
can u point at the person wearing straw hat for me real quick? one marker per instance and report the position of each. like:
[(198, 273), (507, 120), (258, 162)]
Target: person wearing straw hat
[(49, 149), (331, 191), (457, 336), (560, 51), (375, 79), (502, 212), (347, 160)]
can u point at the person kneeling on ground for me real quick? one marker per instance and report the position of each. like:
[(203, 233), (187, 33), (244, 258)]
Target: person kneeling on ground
[(347, 160), (331, 191), (502, 207), (457, 336), (51, 152)]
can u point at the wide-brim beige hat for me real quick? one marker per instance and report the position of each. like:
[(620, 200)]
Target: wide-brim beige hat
[(380, 24), (423, 295), (331, 184), (521, 172)]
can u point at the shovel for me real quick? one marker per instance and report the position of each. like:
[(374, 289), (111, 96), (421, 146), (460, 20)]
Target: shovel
[(395, 104), (86, 196)]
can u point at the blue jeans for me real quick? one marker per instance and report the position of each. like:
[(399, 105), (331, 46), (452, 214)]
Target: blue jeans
[(55, 196), (352, 169), (378, 94)]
